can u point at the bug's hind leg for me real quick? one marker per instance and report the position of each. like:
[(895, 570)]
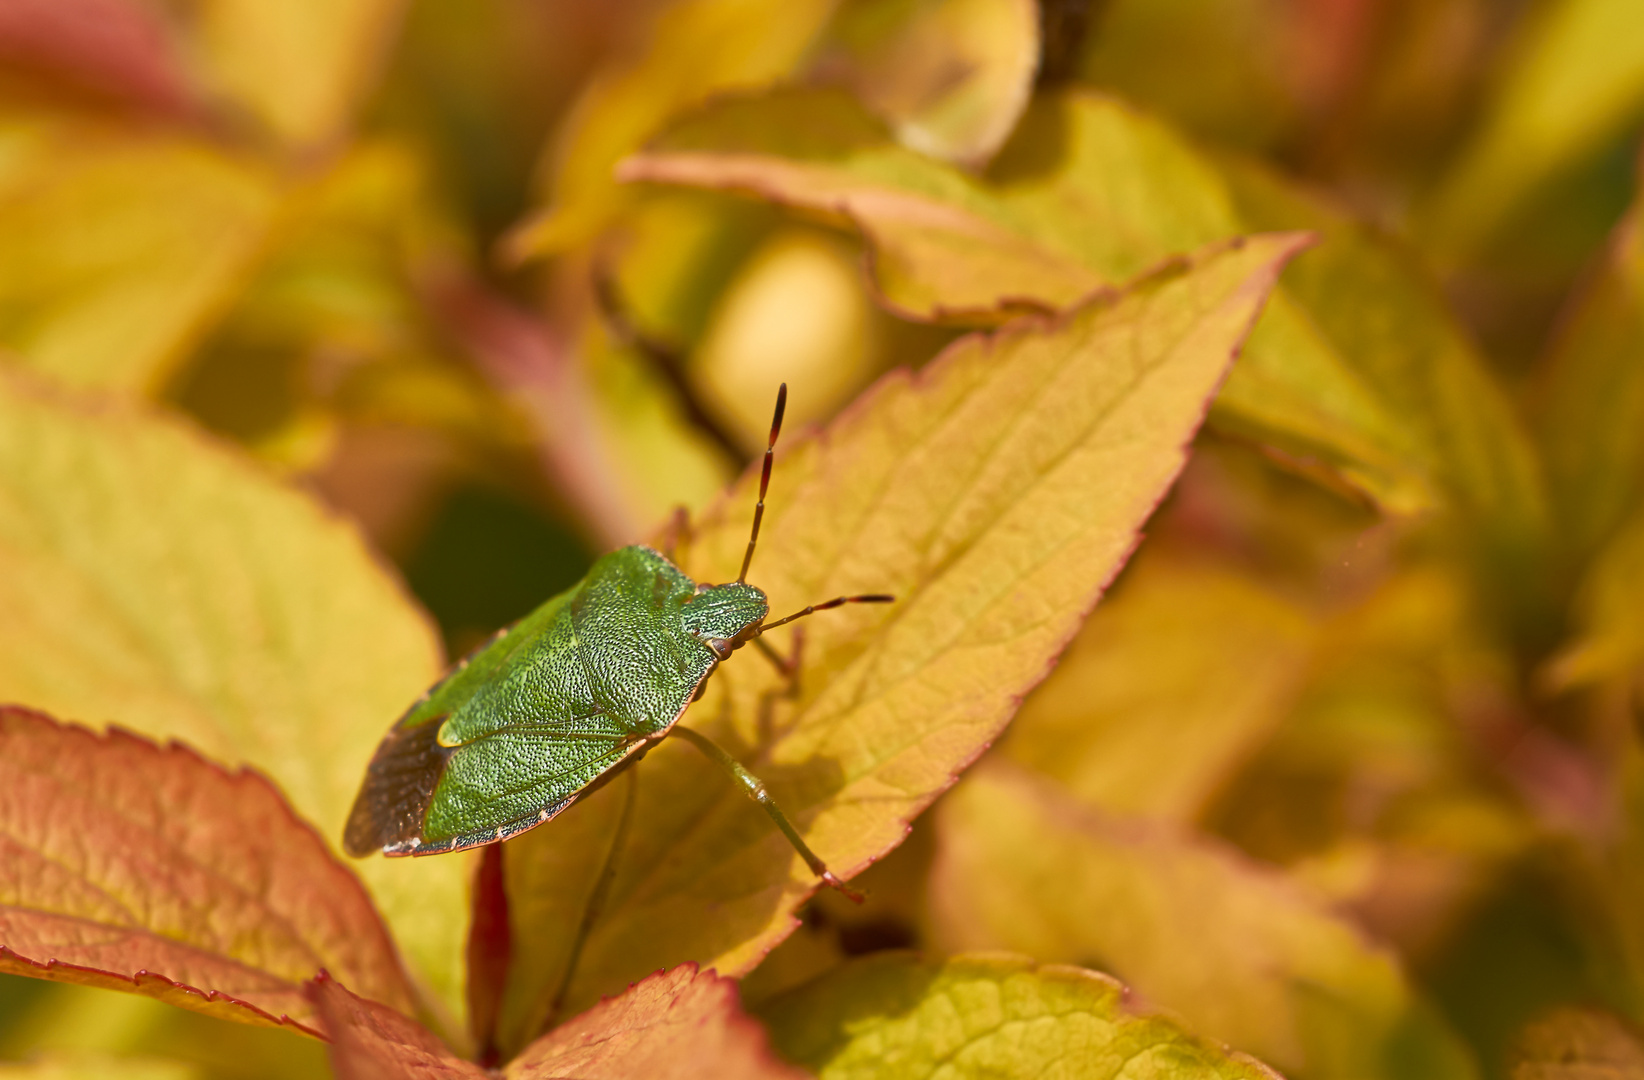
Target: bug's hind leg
[(754, 788)]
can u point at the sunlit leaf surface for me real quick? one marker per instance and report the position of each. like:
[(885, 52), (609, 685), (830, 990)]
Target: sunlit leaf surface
[(155, 580), (902, 1018), (1185, 920), (129, 862), (994, 494), (675, 1025)]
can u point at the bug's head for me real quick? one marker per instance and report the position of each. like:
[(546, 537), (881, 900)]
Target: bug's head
[(725, 617)]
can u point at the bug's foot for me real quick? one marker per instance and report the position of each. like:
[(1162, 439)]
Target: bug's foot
[(832, 881)]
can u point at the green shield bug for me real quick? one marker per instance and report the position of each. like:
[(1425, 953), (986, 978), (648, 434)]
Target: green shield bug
[(556, 704)]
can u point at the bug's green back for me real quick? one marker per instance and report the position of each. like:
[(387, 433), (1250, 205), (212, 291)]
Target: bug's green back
[(515, 733)]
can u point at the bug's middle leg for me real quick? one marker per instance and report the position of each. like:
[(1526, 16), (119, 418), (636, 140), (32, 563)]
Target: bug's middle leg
[(754, 788)]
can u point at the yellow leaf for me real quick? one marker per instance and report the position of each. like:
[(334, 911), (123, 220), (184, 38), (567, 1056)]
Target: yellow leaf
[(155, 580), (1241, 953), (120, 249), (951, 76), (696, 49), (1381, 389), (1173, 682), (994, 494), (298, 66), (893, 1016)]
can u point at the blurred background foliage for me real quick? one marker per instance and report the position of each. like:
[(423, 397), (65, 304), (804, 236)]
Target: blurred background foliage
[(1346, 769)]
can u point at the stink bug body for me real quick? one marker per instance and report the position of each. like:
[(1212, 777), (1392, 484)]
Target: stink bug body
[(557, 703)]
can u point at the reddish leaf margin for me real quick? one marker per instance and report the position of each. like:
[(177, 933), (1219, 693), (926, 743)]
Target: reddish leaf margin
[(133, 866)]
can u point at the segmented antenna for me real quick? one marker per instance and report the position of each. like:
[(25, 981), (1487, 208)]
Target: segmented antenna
[(870, 598), (764, 480)]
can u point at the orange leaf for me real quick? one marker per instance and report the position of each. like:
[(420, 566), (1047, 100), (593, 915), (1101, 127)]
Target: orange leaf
[(369, 1041), (671, 1025), (147, 868)]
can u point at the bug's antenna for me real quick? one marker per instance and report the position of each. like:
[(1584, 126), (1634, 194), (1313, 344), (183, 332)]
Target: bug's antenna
[(870, 598), (764, 480)]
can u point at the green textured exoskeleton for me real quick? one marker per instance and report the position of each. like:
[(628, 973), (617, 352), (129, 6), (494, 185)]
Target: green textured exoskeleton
[(555, 704)]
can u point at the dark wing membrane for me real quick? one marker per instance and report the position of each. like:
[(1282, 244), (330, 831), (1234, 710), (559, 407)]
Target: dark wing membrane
[(515, 778), (399, 785)]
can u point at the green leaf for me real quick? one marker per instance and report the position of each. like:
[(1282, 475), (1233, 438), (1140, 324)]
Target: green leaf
[(695, 50), (994, 494), (149, 869), (1578, 1044), (1240, 952), (120, 249), (682, 1024), (897, 1017), (1175, 680), (1576, 82), (154, 579), (1360, 373), (1589, 412)]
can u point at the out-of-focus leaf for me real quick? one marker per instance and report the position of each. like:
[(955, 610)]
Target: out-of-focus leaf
[(69, 1021), (1610, 623), (98, 1067), (155, 580), (1244, 76), (994, 494), (951, 76), (131, 863), (299, 66), (115, 49), (1381, 388), (795, 313), (1170, 686), (1576, 81), (694, 50), (673, 1025), (120, 249), (1379, 745), (945, 245), (1590, 401), (1373, 303), (902, 1018), (370, 1042), (1240, 952), (1578, 1044)]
